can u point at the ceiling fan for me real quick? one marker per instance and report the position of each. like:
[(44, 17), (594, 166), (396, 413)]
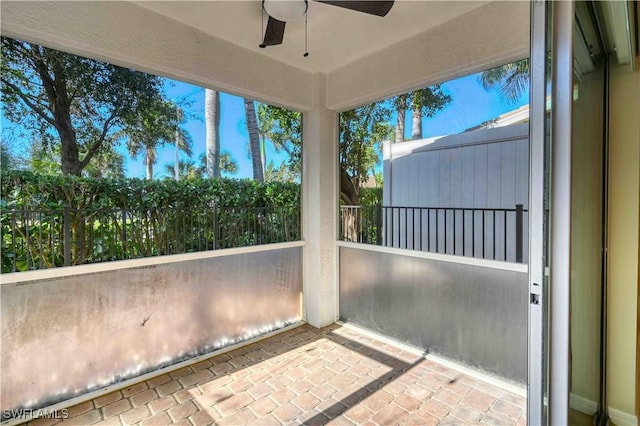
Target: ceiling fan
[(282, 11)]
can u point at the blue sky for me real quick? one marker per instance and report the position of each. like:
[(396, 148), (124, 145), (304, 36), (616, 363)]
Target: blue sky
[(233, 132), (470, 106)]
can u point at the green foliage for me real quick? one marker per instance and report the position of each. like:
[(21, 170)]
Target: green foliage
[(7, 161), (71, 102), (370, 196), (23, 189), (511, 79), (282, 173), (283, 129), (189, 169), (362, 130), (112, 219), (151, 127), (429, 100), (107, 163)]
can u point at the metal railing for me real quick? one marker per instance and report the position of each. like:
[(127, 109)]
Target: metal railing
[(497, 234), (40, 239)]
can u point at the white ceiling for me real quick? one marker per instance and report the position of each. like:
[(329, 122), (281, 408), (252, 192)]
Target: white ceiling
[(337, 36)]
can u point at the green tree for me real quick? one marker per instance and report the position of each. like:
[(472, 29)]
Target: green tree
[(70, 101), (107, 163), (423, 103), (511, 79), (281, 173), (189, 170), (361, 132), (7, 161), (228, 165), (283, 129), (153, 127), (181, 138)]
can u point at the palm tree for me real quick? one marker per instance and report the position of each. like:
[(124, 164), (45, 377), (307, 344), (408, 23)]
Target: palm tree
[(152, 128), (227, 164), (423, 103), (416, 128), (187, 168), (254, 140), (511, 79), (182, 141), (212, 124), (400, 104)]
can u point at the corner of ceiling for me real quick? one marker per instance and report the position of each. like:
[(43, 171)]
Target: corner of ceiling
[(491, 35), (161, 46)]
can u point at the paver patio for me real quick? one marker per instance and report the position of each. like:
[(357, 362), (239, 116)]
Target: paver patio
[(335, 375)]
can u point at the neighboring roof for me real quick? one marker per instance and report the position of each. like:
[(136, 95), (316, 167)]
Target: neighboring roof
[(481, 135), (516, 116)]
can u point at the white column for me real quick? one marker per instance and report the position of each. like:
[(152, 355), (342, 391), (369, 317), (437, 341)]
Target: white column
[(319, 209)]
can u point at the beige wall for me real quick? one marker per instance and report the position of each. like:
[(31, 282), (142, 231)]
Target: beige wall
[(624, 190), (64, 336), (586, 228)]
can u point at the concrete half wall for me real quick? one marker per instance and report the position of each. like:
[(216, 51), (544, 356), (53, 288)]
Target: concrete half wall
[(66, 336), (468, 310)]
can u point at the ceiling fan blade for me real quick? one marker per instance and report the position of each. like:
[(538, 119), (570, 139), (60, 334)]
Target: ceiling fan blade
[(379, 8), (274, 33)]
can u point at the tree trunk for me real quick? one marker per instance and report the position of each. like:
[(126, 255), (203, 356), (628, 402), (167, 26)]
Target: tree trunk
[(417, 124), (348, 191), (176, 165), (69, 151), (150, 160), (149, 170), (212, 124), (254, 140), (402, 112)]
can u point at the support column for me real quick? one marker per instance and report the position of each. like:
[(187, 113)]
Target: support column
[(319, 208)]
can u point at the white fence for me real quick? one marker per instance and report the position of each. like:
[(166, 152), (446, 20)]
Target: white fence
[(481, 169)]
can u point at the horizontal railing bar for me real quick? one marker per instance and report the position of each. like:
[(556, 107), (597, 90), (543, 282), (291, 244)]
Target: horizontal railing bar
[(494, 232), (499, 209)]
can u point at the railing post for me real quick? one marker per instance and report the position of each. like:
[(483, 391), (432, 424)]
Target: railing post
[(124, 234), (379, 224), (66, 235), (215, 226), (519, 232)]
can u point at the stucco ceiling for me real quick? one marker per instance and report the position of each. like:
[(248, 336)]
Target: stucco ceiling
[(336, 36)]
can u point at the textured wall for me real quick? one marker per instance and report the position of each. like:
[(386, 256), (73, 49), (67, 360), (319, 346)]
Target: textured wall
[(586, 228), (63, 337), (624, 194), (473, 314)]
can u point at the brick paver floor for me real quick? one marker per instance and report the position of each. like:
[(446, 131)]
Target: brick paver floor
[(335, 375)]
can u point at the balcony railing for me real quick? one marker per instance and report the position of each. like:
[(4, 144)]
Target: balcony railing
[(497, 234), (39, 239)]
